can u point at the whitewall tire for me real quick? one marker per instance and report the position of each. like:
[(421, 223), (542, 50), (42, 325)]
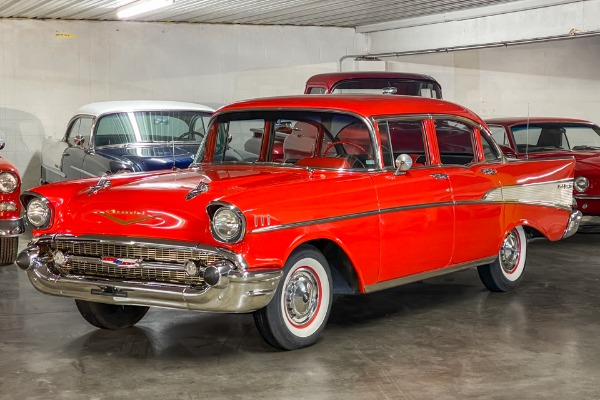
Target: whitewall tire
[(299, 311), (506, 271)]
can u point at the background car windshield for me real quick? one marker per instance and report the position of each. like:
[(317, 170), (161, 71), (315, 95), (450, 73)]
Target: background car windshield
[(292, 136), (551, 136), (150, 126), (407, 87)]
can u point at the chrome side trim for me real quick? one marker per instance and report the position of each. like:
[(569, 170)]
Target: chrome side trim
[(301, 224), (426, 275), (557, 194), (585, 197)]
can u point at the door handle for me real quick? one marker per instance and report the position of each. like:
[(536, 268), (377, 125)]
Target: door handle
[(488, 171), (441, 177)]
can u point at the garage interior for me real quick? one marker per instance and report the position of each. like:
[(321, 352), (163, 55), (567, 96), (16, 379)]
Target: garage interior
[(447, 337)]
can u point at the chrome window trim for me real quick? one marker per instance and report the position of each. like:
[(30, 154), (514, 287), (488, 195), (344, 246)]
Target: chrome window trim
[(367, 120)]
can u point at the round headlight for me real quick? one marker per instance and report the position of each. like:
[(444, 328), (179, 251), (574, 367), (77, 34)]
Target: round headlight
[(38, 213), (8, 182), (581, 184), (227, 225)]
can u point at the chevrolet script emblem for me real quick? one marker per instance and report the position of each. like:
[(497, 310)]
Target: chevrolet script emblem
[(126, 217), (120, 262)]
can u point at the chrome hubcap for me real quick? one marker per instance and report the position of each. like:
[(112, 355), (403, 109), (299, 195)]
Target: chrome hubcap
[(301, 297), (510, 252)]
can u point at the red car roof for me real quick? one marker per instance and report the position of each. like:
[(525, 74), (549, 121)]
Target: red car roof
[(507, 121), (364, 105), (333, 77)]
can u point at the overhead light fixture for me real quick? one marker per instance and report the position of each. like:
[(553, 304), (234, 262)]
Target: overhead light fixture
[(141, 7)]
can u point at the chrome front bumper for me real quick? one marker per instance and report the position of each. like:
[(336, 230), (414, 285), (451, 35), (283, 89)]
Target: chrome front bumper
[(573, 224), (11, 227), (239, 291)]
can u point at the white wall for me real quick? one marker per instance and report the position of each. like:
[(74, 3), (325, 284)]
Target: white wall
[(560, 78), (48, 69)]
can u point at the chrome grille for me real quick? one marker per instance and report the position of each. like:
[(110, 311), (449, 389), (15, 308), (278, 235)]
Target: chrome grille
[(171, 270)]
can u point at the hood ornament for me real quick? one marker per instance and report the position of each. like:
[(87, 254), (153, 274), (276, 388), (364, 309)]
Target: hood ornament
[(202, 187), (103, 183)]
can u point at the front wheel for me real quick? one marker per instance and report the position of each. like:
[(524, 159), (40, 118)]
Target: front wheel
[(299, 311), (110, 316), (8, 250), (506, 271)]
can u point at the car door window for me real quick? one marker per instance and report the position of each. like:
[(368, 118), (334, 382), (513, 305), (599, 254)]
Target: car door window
[(490, 152), (455, 142), (73, 131), (85, 130), (403, 137), (499, 134)]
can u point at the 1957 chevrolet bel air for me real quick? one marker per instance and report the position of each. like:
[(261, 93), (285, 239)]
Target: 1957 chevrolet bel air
[(370, 192)]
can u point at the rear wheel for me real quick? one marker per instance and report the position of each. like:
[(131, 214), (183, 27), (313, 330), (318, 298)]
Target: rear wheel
[(110, 316), (506, 271), (8, 250), (298, 313)]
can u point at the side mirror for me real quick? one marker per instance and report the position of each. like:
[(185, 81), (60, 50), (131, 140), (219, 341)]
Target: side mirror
[(508, 151), (2, 144), (403, 163), (78, 140)]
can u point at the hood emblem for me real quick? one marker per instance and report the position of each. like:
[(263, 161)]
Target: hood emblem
[(138, 216), (103, 183), (202, 187)]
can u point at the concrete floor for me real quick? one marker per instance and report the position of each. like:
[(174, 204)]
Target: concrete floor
[(445, 338)]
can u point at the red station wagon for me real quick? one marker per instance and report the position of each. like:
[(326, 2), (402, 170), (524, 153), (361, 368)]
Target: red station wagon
[(539, 138), (370, 192)]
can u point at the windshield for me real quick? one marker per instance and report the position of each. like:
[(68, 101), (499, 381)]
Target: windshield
[(552, 136), (319, 139), (409, 87), (150, 127)]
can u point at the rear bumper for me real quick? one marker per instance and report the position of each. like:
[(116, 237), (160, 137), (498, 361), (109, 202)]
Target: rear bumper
[(573, 224)]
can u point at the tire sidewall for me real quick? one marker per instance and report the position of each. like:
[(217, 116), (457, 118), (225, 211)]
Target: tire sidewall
[(285, 333), (507, 281)]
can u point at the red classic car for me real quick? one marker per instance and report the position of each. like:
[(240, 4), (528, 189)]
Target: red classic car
[(374, 82), (539, 138), (370, 192), (11, 222)]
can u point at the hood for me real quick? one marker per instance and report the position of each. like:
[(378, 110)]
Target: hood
[(157, 205), (152, 157)]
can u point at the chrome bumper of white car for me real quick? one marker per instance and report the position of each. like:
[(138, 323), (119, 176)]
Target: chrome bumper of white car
[(231, 290), (573, 224)]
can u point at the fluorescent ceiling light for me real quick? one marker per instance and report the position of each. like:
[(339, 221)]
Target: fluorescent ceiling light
[(140, 7)]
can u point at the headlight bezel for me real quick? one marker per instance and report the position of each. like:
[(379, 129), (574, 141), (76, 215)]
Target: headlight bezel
[(43, 203), (581, 184), (14, 179), (218, 212)]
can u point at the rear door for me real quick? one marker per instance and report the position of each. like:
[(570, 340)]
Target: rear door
[(417, 213), (472, 173)]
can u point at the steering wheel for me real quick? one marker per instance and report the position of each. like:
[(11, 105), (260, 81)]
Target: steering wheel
[(191, 135), (330, 145), (354, 158)]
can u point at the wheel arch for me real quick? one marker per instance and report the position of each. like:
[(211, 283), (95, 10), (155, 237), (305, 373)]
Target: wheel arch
[(345, 278)]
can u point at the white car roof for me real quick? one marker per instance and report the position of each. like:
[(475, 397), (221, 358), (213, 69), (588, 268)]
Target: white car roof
[(108, 107)]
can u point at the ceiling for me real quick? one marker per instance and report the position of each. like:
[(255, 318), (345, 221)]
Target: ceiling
[(340, 13)]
